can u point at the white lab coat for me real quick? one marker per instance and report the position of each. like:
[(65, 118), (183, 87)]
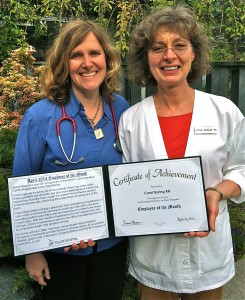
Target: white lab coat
[(217, 133)]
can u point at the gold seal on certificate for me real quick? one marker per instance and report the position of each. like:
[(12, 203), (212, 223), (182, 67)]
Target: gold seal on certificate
[(57, 209)]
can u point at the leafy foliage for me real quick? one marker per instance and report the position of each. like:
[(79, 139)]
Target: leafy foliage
[(19, 86), (130, 287), (7, 144), (237, 216), (5, 225), (21, 280), (12, 35), (224, 22), (27, 20)]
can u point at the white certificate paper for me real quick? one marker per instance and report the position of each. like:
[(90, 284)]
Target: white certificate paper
[(53, 210), (56, 209), (158, 197)]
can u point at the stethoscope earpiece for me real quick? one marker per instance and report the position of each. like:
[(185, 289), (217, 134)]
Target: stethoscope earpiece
[(57, 162)]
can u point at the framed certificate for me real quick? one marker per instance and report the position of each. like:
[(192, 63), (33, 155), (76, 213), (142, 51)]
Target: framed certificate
[(57, 209)]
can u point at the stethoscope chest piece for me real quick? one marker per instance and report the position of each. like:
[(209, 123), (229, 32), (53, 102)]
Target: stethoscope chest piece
[(117, 145)]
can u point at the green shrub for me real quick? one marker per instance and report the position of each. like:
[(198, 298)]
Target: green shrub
[(130, 288), (5, 224), (237, 216), (21, 280), (7, 144)]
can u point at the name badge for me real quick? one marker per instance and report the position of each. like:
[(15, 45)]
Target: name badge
[(205, 130)]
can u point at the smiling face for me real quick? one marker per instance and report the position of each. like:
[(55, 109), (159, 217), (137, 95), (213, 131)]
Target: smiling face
[(170, 58), (87, 66)]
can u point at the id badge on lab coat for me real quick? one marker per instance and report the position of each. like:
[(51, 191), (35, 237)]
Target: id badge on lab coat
[(201, 130)]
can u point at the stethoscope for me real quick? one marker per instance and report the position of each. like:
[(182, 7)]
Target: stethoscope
[(65, 117)]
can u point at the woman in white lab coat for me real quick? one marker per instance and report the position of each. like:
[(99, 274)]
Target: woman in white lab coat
[(169, 49)]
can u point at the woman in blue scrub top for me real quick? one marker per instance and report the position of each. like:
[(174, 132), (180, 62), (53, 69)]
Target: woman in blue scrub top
[(81, 77)]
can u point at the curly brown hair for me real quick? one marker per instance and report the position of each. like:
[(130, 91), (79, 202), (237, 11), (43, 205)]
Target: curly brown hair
[(55, 80), (181, 20)]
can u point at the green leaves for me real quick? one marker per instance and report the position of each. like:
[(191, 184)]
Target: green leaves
[(22, 20)]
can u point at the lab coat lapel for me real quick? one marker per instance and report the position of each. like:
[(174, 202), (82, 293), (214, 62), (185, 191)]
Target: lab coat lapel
[(198, 117), (152, 126)]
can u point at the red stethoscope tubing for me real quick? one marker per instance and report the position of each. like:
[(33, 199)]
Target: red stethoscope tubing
[(65, 117), (74, 126), (114, 121)]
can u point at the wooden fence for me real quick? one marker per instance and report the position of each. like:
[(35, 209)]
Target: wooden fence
[(227, 79)]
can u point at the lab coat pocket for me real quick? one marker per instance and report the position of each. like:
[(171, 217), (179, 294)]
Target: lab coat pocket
[(150, 254), (216, 251)]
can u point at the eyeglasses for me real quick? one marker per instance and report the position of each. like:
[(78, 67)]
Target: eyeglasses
[(178, 49)]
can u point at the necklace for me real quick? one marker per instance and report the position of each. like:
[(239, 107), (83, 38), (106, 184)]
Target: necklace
[(97, 131), (93, 119)]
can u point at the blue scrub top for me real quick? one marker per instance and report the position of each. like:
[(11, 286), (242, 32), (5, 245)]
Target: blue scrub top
[(37, 145)]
